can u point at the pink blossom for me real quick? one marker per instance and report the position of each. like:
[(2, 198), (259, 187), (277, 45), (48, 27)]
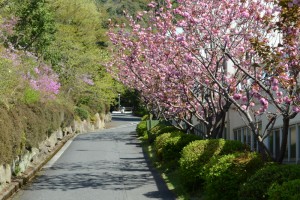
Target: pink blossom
[(275, 88), (287, 100), (296, 109), (263, 101), (237, 96)]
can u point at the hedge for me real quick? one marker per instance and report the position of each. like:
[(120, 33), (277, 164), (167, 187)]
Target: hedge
[(169, 145), (141, 128), (224, 174), (198, 153), (289, 190), (258, 185), (159, 129)]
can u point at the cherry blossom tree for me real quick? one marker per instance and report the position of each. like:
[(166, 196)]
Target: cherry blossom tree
[(226, 55)]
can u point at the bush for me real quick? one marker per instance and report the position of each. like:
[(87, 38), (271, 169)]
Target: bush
[(145, 117), (25, 125), (166, 129), (141, 128), (30, 96), (9, 138), (159, 129), (289, 190), (198, 153), (82, 113), (224, 174), (257, 186), (169, 145)]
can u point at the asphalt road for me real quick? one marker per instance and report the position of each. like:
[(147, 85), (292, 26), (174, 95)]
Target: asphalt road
[(105, 165)]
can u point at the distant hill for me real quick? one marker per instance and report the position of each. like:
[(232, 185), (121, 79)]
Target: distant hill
[(115, 8)]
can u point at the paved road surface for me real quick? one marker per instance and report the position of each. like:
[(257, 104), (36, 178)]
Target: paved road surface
[(106, 165)]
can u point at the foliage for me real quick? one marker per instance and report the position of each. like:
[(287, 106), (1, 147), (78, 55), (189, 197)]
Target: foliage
[(141, 128), (169, 145), (115, 9), (35, 28), (166, 129), (51, 63), (76, 56), (160, 128), (25, 126), (82, 113), (212, 55), (224, 174), (145, 118), (31, 96), (258, 185), (197, 154), (289, 190)]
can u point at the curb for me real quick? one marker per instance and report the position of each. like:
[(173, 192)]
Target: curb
[(30, 173)]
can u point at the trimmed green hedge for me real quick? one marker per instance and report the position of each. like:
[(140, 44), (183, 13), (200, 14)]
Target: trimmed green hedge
[(224, 174), (289, 190), (141, 128), (198, 153), (169, 145), (258, 185), (160, 129)]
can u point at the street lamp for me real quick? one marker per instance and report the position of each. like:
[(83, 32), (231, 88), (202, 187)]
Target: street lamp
[(119, 102)]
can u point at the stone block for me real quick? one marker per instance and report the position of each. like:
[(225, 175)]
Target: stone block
[(5, 174), (59, 134)]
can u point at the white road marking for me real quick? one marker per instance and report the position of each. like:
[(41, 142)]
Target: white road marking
[(58, 154)]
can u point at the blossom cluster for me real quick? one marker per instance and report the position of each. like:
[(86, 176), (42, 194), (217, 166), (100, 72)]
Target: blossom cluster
[(216, 53), (44, 80)]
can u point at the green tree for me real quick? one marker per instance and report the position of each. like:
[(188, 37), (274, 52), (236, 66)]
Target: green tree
[(35, 28)]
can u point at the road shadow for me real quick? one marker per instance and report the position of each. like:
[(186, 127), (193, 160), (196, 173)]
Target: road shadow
[(130, 171)]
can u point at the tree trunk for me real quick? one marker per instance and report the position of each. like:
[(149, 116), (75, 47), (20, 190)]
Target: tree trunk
[(262, 149), (285, 133)]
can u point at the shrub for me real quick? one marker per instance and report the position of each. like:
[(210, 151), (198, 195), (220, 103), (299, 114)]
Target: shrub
[(166, 129), (141, 128), (159, 129), (30, 96), (257, 186), (198, 153), (169, 145), (82, 113), (9, 138), (289, 190), (224, 174), (145, 117)]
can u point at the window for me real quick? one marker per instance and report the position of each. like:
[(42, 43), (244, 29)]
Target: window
[(244, 134)]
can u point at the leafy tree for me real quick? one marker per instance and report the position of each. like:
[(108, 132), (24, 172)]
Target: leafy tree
[(35, 27)]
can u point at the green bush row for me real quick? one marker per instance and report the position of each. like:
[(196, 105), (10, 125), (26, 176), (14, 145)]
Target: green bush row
[(169, 145), (223, 175), (268, 181), (141, 128), (223, 169), (196, 156)]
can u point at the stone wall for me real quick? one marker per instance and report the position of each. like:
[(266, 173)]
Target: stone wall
[(37, 155)]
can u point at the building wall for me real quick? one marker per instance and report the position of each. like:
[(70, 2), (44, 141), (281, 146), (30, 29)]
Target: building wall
[(237, 130)]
